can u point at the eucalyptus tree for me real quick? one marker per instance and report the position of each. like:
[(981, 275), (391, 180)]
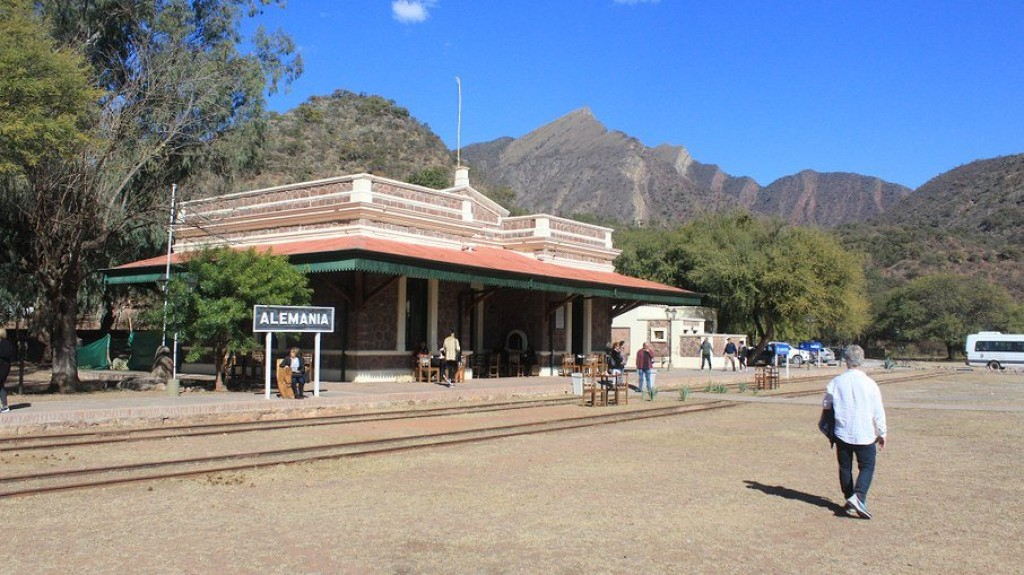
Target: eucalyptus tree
[(164, 85)]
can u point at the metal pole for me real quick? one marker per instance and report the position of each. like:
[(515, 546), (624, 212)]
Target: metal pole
[(174, 355), (458, 128), (316, 365), (167, 270), (267, 361)]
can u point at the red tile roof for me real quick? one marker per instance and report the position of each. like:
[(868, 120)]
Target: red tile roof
[(481, 258)]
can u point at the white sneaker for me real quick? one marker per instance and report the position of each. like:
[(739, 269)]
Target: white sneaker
[(859, 506), (4, 409)]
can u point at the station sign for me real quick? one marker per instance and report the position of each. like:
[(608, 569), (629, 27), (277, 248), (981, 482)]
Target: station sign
[(304, 319)]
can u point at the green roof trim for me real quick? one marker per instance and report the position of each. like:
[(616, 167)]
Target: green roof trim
[(495, 279), (138, 278)]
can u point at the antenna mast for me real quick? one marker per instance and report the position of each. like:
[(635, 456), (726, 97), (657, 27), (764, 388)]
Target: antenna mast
[(458, 128)]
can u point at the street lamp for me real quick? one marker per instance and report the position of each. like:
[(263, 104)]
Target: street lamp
[(190, 283), (670, 315)]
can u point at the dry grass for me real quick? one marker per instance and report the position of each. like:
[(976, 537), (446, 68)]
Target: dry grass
[(744, 490)]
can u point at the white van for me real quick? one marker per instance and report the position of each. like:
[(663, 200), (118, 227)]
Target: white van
[(994, 349)]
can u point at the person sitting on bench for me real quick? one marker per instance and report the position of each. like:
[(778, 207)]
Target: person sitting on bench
[(298, 373)]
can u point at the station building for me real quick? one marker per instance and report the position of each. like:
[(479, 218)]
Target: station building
[(403, 263)]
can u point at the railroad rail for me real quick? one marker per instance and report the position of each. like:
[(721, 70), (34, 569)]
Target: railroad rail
[(74, 439), (85, 438), (67, 480)]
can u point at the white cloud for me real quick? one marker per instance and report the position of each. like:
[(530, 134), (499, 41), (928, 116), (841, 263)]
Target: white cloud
[(412, 11)]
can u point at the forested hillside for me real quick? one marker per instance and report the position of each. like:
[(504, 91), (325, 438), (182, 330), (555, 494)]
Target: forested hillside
[(968, 221), (344, 133)]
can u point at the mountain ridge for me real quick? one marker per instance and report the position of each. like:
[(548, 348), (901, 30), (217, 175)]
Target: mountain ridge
[(590, 165)]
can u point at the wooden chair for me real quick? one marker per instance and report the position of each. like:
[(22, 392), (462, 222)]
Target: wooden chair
[(425, 372), (515, 365), (568, 364), (284, 381), (594, 394), (494, 370), (590, 368), (621, 387), (766, 377)]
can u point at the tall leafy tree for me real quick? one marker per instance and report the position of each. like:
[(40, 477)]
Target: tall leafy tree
[(946, 308), (212, 301), (176, 94), (763, 276)]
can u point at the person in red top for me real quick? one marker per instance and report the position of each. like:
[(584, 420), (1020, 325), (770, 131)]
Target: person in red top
[(644, 363)]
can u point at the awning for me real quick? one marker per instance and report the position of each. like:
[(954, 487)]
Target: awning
[(488, 266)]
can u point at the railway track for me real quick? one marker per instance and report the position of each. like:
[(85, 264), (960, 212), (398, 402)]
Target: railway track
[(74, 439), (825, 379), (67, 480)]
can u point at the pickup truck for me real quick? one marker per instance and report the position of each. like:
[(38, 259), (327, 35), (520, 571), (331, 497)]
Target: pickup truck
[(779, 348), (813, 351)]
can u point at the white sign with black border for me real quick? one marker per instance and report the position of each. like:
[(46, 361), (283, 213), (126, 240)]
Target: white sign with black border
[(303, 319), (300, 319)]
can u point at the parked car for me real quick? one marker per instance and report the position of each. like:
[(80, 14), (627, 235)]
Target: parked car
[(809, 351), (774, 348)]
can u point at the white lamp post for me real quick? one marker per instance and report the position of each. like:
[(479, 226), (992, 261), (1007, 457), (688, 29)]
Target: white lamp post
[(670, 315)]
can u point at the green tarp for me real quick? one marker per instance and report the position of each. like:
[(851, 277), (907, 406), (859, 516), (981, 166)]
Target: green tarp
[(143, 345), (96, 355)]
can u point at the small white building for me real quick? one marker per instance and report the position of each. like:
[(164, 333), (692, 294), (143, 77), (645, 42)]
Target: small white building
[(675, 333)]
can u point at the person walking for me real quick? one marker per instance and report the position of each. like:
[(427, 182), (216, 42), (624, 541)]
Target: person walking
[(7, 354), (452, 355), (298, 372), (644, 364), (730, 355), (705, 354), (741, 354), (852, 406)]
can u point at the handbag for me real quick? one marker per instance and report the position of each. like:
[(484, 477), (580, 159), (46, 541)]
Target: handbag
[(827, 425)]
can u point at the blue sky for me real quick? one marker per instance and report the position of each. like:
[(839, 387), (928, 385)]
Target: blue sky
[(899, 89)]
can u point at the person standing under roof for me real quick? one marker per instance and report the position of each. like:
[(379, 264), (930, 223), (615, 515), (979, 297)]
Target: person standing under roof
[(452, 355)]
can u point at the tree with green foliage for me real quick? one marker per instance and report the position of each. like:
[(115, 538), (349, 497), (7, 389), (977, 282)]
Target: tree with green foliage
[(45, 96), (946, 308), (164, 91), (763, 276), (436, 178), (213, 297)]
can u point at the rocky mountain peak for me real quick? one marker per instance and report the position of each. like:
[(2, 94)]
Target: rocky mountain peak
[(576, 165)]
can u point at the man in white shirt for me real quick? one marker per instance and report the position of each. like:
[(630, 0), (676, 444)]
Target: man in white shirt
[(452, 356), (855, 402)]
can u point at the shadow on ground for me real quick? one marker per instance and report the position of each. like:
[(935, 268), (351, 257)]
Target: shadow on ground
[(793, 494)]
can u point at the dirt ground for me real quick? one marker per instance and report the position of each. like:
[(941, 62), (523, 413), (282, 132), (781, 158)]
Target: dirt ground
[(751, 489)]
